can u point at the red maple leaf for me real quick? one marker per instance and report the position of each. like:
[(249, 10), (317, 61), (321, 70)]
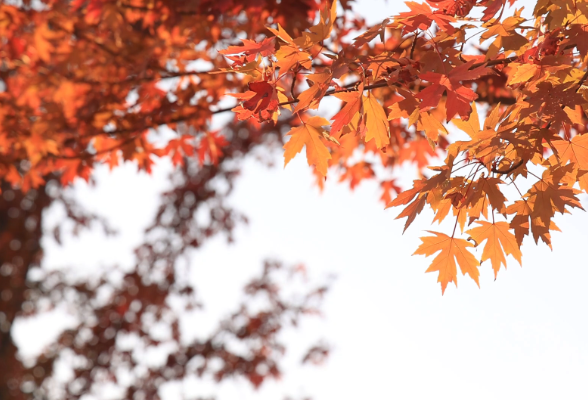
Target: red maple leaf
[(459, 97), (260, 99)]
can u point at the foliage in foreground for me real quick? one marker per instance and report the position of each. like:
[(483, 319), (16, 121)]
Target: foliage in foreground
[(434, 63)]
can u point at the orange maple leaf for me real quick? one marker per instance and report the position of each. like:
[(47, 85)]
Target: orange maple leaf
[(311, 97), (356, 173), (451, 249), (376, 121), (575, 151), (309, 134), (210, 147), (388, 187), (322, 30), (348, 111), (499, 240)]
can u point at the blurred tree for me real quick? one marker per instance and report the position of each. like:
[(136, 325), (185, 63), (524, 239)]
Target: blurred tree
[(86, 82)]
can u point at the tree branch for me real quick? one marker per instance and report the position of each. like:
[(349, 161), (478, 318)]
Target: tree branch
[(506, 171)]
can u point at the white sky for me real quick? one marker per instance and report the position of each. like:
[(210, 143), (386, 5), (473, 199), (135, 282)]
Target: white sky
[(523, 336)]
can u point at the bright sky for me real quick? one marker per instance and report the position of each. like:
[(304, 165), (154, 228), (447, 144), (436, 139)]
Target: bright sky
[(523, 336)]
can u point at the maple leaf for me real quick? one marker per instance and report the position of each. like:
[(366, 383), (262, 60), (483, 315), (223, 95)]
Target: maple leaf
[(539, 205), (459, 97), (522, 73), (411, 211), (249, 68), (431, 126), (371, 33), (179, 148), (421, 17), (574, 151), (322, 30), (506, 36), (451, 249), (348, 111), (281, 33), (406, 106), (545, 198), (260, 101), (376, 121), (210, 147), (492, 7), (483, 193), (311, 97), (520, 221), (499, 240), (309, 135), (251, 48), (555, 104), (578, 37), (356, 173), (421, 189), (418, 151), (471, 126), (388, 187), (290, 56), (406, 196)]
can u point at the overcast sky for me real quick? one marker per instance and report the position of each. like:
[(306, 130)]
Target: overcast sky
[(523, 336)]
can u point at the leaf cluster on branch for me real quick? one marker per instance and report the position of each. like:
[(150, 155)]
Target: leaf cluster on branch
[(430, 67)]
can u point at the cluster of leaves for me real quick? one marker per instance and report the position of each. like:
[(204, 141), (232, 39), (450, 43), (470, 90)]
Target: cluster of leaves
[(430, 67), (89, 81)]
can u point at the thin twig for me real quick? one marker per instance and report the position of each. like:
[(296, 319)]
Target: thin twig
[(506, 171), (416, 36)]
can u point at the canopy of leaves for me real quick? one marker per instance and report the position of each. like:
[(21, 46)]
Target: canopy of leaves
[(90, 82), (429, 66)]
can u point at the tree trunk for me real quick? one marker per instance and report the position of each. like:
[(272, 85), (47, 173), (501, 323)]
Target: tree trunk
[(20, 249)]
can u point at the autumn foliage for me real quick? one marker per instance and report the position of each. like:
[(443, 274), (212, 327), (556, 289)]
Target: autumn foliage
[(84, 83), (404, 81), (488, 101)]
